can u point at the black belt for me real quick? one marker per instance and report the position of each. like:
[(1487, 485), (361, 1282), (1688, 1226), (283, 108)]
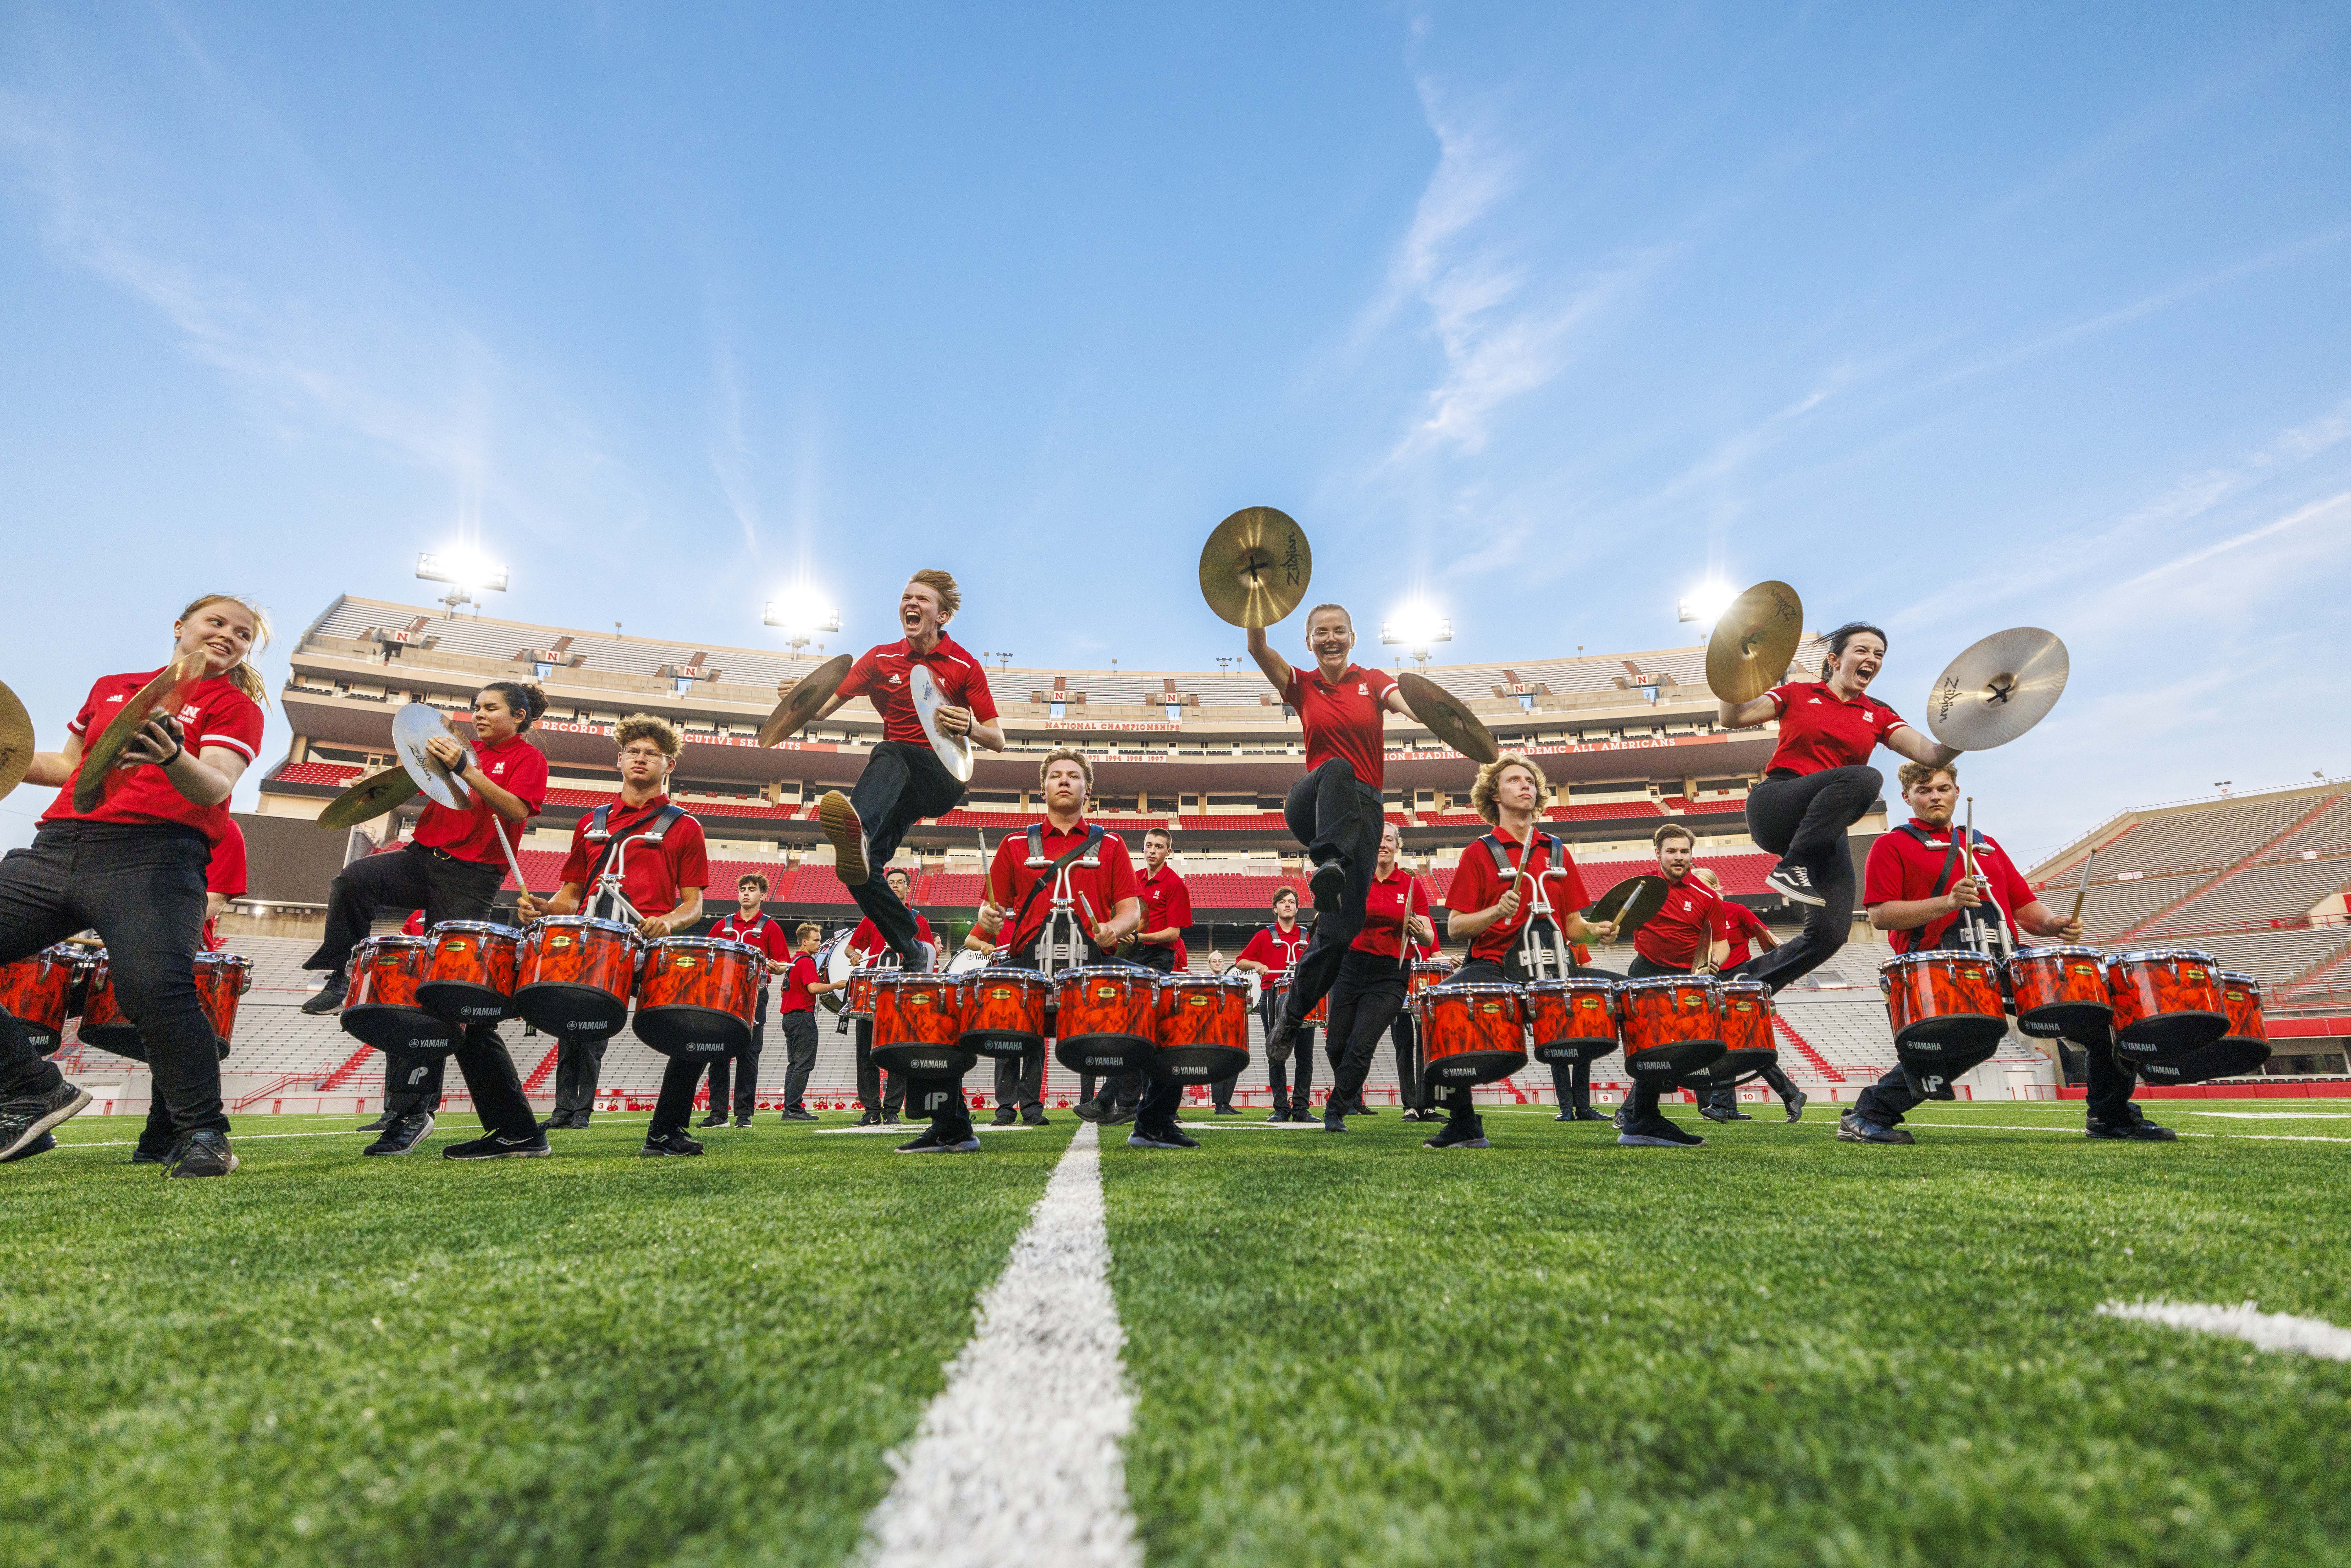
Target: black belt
[(437, 852)]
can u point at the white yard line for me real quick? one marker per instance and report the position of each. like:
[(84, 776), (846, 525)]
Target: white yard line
[(1017, 1461), (2247, 1321), (2045, 1127)]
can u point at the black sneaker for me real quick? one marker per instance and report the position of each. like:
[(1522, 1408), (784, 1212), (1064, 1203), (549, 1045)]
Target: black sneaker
[(377, 1126), (141, 1156), (891, 1119), (1715, 1114), (1328, 884), (24, 1117), (1852, 1128), (847, 836), (930, 1142), (677, 1144), (1656, 1133), (746, 1120), (1796, 1106), (44, 1144), (503, 1146), (1035, 1117), (1303, 1113), (1280, 1114), (1225, 1111), (2136, 1130), (1564, 1116), (1167, 1137), (1333, 1121), (1586, 1113), (329, 998), (200, 1153), (1469, 1134), (1006, 1117), (716, 1119), (797, 1113), (403, 1136), (1794, 881), (1623, 1116), (1736, 1114), (1417, 1115), (561, 1125), (1360, 1109), (1119, 1116), (870, 1119)]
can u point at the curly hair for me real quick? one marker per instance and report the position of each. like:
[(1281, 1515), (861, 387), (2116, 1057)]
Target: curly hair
[(1489, 777), (646, 727), (1068, 754), (1913, 774)]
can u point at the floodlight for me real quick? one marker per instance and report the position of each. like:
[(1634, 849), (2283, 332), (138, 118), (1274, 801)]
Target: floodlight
[(1706, 603)]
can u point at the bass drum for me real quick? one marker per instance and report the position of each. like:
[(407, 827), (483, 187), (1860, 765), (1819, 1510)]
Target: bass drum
[(832, 966)]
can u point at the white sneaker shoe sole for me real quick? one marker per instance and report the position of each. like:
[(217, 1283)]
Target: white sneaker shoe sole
[(847, 836)]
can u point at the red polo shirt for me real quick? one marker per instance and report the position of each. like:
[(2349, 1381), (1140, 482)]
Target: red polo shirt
[(798, 975), (1097, 890), (1384, 912), (1278, 951), (1342, 719), (1819, 729), (1691, 915), (216, 714), (1900, 869), (653, 877), (514, 764), (225, 874), (1165, 902), (1478, 886), (866, 940), (414, 924), (881, 673), (1741, 925), (761, 932)]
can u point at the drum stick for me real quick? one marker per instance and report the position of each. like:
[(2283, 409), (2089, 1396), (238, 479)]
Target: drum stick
[(2083, 892)]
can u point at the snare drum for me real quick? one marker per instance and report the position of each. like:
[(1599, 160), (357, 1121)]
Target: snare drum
[(1105, 1018), (576, 975), (1203, 1028), (469, 971), (2059, 990), (2167, 1001), (1004, 1009), (1571, 1019), (1750, 1042), (33, 991), (1944, 1006), (918, 1023), (2241, 1050), (1471, 1032), (1673, 1025), (382, 1009), (698, 996)]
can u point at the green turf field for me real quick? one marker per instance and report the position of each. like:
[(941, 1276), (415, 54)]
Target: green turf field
[(1777, 1349)]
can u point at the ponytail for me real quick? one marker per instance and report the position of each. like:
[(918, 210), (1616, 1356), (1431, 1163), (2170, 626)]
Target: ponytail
[(527, 701), (241, 675)]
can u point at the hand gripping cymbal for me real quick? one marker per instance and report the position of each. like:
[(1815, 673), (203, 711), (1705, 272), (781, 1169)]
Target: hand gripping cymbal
[(1753, 641), (413, 729), (808, 694), (167, 692), (1255, 567), (1447, 717), (1998, 689), (1629, 903)]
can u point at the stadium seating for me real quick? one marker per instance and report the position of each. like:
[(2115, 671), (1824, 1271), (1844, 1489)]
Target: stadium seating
[(2255, 894), (2212, 837)]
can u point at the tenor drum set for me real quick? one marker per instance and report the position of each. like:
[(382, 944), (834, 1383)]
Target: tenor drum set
[(69, 980)]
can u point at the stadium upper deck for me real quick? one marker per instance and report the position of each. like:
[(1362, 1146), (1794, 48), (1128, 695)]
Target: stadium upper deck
[(1628, 740)]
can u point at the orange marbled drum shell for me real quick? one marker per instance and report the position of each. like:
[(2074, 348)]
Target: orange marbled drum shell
[(1572, 1019), (1201, 1028), (2058, 989), (35, 991), (918, 1023), (1471, 1033), (2167, 1000), (1425, 972), (861, 993), (470, 969), (1942, 998), (221, 979), (1105, 1018), (1672, 1024), (1004, 1009), (2241, 997), (380, 1007), (576, 974)]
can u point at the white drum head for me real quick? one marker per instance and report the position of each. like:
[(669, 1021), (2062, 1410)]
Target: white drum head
[(954, 750), (965, 961)]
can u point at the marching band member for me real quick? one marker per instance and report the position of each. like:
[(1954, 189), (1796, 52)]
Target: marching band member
[(749, 923), (1271, 954), (1158, 946), (225, 878), (1490, 909), (664, 889), (453, 868), (882, 1101), (1369, 992), (803, 985), (1817, 785), (134, 868), (904, 781), (1741, 928), (1335, 810), (1917, 890), (1109, 904)]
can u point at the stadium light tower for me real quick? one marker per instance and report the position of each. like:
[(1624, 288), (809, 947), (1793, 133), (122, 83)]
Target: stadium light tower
[(1418, 627), (802, 612), (1705, 603), (466, 571)]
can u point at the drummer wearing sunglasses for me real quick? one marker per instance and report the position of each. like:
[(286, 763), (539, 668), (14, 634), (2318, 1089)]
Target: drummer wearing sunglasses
[(1918, 890)]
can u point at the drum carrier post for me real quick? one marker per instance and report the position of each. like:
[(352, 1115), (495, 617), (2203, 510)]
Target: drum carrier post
[(1062, 945)]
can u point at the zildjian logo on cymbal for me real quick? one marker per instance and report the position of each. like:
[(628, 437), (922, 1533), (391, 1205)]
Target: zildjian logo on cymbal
[(1290, 563)]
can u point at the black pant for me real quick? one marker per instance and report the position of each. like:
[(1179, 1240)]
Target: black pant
[(578, 1066), (2112, 1084), (1364, 1001), (939, 1096), (1278, 1073), (142, 888), (1571, 1084), (674, 1105), (1335, 818), (902, 785), (415, 877), (871, 1094), (735, 1076), (1021, 1081), (799, 1061), (1803, 820), (1725, 1096), (1405, 1034)]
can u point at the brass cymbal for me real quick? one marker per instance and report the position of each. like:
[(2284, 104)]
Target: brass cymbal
[(1447, 717), (809, 693), (1998, 689), (369, 799), (166, 692), (1255, 567), (1753, 641), (16, 741), (1629, 903)]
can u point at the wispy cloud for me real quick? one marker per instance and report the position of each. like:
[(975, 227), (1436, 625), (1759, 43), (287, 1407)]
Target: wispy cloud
[(730, 447)]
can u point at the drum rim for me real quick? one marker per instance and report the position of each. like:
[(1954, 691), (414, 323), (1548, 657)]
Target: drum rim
[(475, 928), (1935, 955), (2166, 955), (393, 940), (701, 943), (1107, 971), (583, 923), (1477, 988), (1569, 983), (2239, 977), (1221, 982), (223, 958), (1662, 982), (1742, 984), (2059, 950), (897, 980), (998, 974)]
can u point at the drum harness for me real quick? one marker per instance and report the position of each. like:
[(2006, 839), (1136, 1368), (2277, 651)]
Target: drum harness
[(1976, 932), (1063, 943), (612, 859), (1541, 961)]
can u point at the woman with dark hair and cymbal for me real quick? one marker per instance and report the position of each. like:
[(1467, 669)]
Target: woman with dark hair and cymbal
[(127, 853), (1817, 785)]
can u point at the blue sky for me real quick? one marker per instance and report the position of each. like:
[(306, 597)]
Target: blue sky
[(1955, 320)]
